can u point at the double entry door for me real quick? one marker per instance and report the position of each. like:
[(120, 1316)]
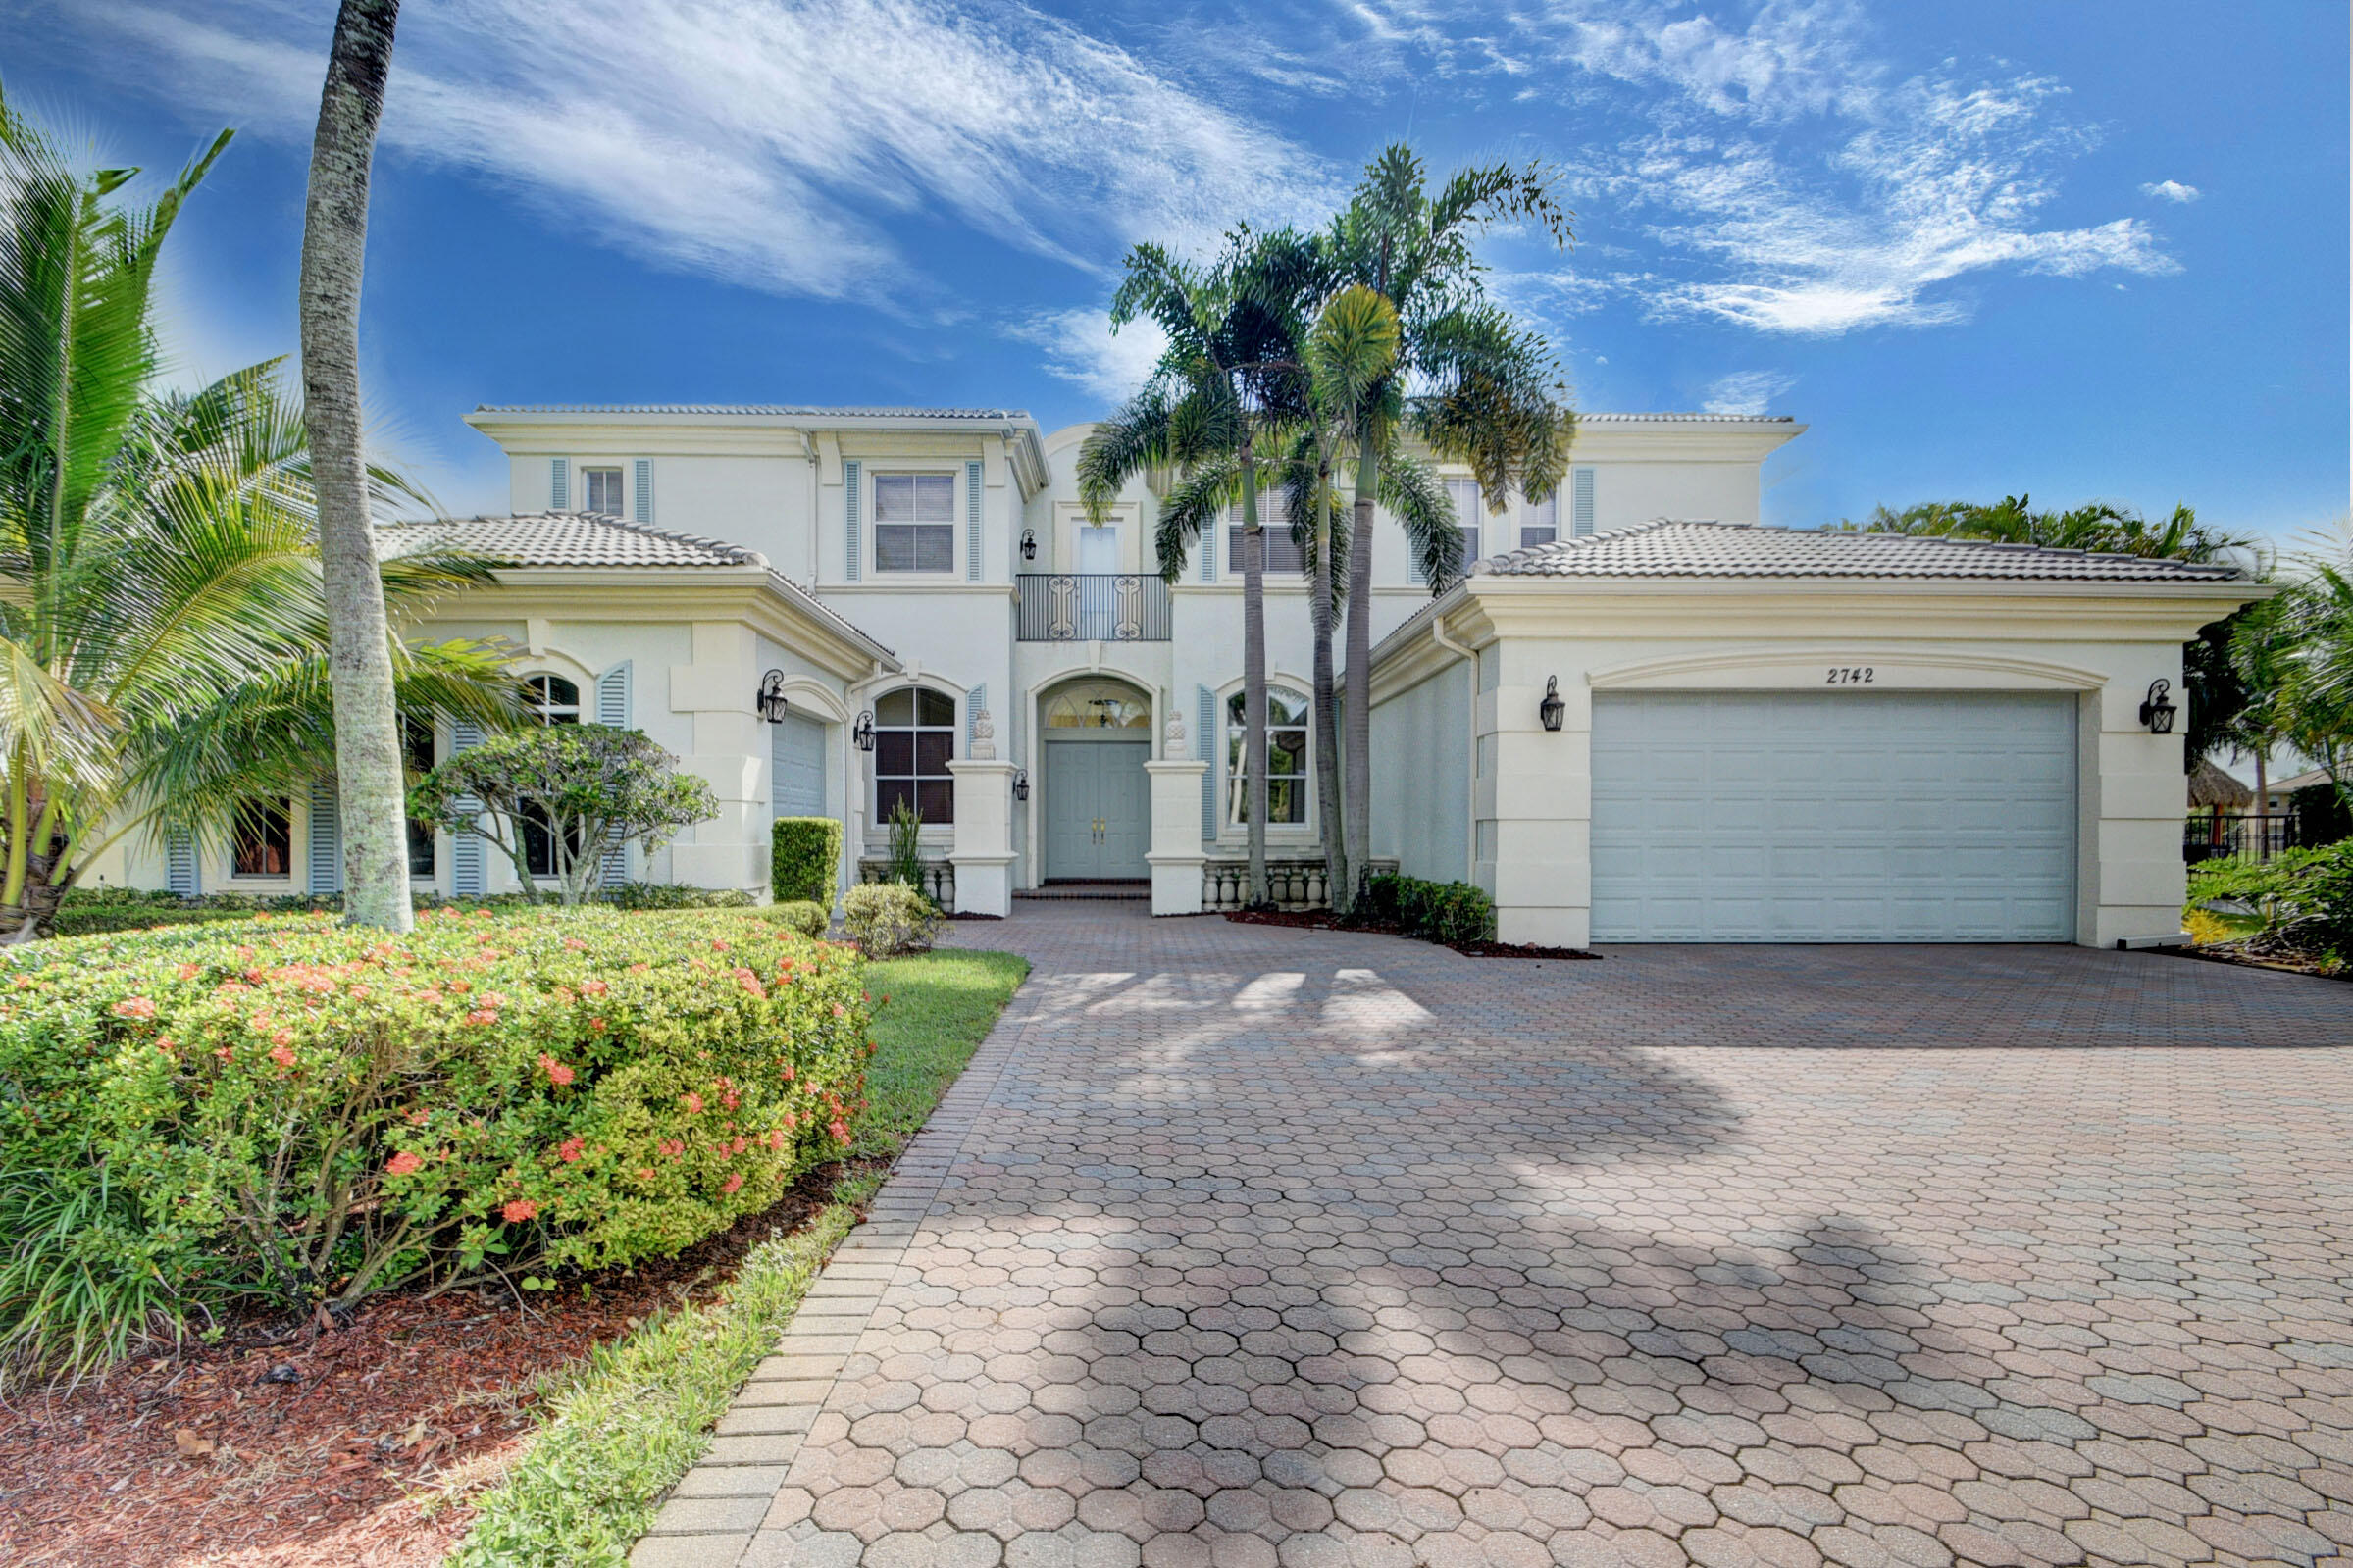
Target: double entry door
[(1098, 809)]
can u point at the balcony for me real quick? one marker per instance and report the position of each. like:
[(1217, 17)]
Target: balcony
[(1091, 607)]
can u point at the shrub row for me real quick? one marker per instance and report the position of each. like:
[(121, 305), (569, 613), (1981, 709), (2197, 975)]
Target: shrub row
[(92, 911), (292, 1108), (1434, 911), (2306, 894)]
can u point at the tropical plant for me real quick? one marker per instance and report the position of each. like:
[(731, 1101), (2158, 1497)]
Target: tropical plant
[(905, 857), (2096, 526), (886, 918), (1468, 382), (334, 242), (1213, 417), (162, 624), (576, 792)]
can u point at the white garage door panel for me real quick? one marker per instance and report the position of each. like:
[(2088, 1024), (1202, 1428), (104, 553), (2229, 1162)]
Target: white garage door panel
[(1865, 816)]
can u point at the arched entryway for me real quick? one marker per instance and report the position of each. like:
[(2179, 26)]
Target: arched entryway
[(1097, 810)]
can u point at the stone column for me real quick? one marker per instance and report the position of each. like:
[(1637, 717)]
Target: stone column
[(1176, 856), (983, 847)]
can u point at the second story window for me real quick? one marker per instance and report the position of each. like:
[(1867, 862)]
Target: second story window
[(1541, 523), (551, 699), (1469, 513), (914, 522), (600, 490), (1283, 553)]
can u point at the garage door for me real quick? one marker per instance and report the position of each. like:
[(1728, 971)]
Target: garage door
[(796, 780), (1833, 817)]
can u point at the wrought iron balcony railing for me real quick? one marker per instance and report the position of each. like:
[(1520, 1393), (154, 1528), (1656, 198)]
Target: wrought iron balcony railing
[(1091, 607)]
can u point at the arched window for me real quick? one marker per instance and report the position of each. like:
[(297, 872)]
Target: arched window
[(551, 699), (1098, 705), (914, 737), (1286, 759)]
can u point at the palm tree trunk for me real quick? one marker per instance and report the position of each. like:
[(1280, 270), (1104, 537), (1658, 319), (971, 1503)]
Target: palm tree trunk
[(1327, 738), (1356, 713), (334, 238), (1253, 678)]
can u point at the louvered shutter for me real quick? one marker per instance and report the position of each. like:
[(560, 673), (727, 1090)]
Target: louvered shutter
[(1210, 748), (559, 485), (327, 838), (1208, 555), (180, 865), (641, 491), (972, 521), (612, 708), (1580, 512), (466, 849), (850, 519), (976, 703)]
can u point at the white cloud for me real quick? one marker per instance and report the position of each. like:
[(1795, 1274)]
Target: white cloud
[(1747, 392), (1794, 181), (802, 147), (2172, 190), (1081, 348)]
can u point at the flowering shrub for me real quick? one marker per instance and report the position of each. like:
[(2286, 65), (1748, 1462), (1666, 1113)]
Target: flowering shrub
[(318, 1112), (887, 917)]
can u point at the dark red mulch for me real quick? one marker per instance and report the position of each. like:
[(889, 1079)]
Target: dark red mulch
[(1322, 919), (416, 1399)]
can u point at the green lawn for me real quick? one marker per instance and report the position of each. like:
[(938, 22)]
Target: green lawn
[(624, 1425)]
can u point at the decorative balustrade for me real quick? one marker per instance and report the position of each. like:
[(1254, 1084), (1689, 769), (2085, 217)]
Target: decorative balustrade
[(1294, 882), (1091, 607), (939, 878)]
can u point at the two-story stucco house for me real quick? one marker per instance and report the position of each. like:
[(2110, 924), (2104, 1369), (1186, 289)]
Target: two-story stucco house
[(1752, 734)]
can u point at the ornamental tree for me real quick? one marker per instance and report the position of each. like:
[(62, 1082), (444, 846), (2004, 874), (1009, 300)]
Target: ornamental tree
[(574, 791)]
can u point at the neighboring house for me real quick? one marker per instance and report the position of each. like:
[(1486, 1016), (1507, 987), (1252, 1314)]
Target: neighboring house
[(950, 630), (2280, 794)]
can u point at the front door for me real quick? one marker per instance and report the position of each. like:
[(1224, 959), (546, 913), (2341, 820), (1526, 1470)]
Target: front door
[(1098, 810)]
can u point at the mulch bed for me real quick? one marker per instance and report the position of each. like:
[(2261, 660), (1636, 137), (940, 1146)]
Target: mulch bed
[(2262, 951), (295, 1446), (1321, 920)]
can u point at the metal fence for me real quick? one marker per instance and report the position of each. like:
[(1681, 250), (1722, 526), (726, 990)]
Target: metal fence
[(1091, 607), (2239, 835)]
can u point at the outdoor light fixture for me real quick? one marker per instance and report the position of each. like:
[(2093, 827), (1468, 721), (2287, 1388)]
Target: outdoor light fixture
[(771, 702), (2155, 712), (1029, 544), (863, 731), (1021, 784), (1552, 708)]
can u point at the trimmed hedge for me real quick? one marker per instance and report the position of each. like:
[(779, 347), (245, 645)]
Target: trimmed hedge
[(889, 916), (1446, 912), (800, 915), (804, 859), (296, 1109)]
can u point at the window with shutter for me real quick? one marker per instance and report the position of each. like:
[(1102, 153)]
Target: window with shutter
[(914, 522), (1540, 524)]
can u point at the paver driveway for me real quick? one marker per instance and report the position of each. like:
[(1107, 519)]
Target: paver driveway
[(1243, 1245)]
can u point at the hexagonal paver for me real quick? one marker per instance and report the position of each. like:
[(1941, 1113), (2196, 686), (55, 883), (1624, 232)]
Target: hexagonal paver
[(1246, 1247)]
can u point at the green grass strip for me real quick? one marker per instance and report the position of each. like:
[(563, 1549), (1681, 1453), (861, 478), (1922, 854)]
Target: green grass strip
[(623, 1425)]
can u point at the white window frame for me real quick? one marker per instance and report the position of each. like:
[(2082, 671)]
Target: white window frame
[(878, 820), (1230, 826), (1471, 518), (620, 474), (1540, 517), (297, 816), (952, 524)]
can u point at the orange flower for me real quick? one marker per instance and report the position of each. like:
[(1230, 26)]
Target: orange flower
[(188, 971), (482, 1015), (519, 1209), (841, 1131), (593, 987), (134, 1007), (571, 1149), (557, 1072), (693, 1103), (282, 1056), (405, 1163), (732, 1183)]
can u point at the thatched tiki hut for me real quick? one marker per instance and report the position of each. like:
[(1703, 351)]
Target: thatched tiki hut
[(2214, 791)]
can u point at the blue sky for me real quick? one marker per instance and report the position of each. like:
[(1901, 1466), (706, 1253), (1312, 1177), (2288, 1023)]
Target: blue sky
[(2092, 249)]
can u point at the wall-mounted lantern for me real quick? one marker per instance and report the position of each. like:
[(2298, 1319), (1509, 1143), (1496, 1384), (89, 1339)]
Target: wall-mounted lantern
[(770, 703), (863, 731), (2156, 711), (1552, 708), (1021, 784), (1029, 544)]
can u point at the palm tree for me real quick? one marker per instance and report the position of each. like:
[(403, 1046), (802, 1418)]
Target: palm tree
[(2096, 526), (1467, 382), (1213, 416), (160, 605), (334, 242)]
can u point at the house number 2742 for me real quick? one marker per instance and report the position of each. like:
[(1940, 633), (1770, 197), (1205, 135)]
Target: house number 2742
[(1849, 676)]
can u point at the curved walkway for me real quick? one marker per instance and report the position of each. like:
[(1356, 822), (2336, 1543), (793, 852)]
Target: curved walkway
[(1249, 1247)]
